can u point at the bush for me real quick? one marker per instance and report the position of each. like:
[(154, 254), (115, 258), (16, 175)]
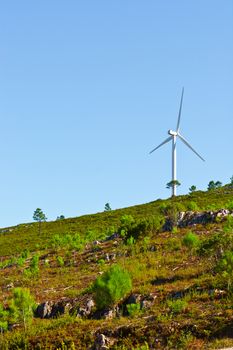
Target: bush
[(191, 240), (3, 319), (177, 306), (133, 309), (110, 287), (60, 261), (225, 267), (21, 307), (192, 206), (139, 228)]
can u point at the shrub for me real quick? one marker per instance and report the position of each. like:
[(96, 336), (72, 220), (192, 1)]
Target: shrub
[(21, 307), (60, 261), (130, 241), (192, 206), (110, 287), (229, 205), (228, 226), (139, 228), (225, 267), (133, 309), (3, 319), (177, 306), (191, 240)]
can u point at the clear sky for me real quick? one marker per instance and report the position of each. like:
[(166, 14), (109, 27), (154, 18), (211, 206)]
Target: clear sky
[(88, 88)]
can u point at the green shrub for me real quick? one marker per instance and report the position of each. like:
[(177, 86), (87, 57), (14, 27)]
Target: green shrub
[(228, 226), (229, 205), (4, 315), (130, 241), (191, 240), (177, 306), (225, 267), (139, 228), (60, 261), (33, 269), (21, 307), (192, 206), (133, 309), (110, 287)]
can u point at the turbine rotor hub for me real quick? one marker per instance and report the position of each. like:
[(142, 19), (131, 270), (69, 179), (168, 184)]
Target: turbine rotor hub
[(172, 133)]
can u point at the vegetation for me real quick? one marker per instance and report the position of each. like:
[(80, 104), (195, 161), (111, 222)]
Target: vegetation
[(111, 287), (171, 284), (107, 207), (39, 216)]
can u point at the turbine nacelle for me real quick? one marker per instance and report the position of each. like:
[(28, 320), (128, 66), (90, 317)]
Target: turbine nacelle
[(172, 133)]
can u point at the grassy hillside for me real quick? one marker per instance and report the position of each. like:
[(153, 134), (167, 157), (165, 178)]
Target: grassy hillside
[(181, 293)]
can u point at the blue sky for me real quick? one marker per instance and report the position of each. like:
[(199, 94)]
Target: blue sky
[(88, 88)]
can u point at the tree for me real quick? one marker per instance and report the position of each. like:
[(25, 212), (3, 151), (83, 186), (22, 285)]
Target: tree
[(107, 207), (39, 216), (22, 306), (173, 183), (192, 189), (60, 217), (231, 179), (110, 287), (213, 185)]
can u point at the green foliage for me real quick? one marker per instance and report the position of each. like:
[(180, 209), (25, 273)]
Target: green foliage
[(107, 207), (60, 217), (130, 241), (21, 307), (60, 261), (133, 309), (191, 240), (68, 241), (173, 183), (38, 215), (228, 226), (192, 189), (214, 185), (110, 287), (4, 316), (229, 205), (139, 228), (177, 306), (225, 267), (33, 269), (192, 206), (231, 180), (171, 211)]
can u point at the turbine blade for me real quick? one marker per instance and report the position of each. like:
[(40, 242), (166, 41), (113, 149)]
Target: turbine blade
[(161, 144), (181, 102), (187, 144)]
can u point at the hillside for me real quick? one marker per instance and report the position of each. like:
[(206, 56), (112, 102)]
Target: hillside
[(178, 255)]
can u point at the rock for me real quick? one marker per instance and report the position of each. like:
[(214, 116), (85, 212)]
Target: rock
[(107, 314), (134, 299), (145, 301), (191, 218), (87, 309), (102, 342), (50, 309), (113, 236), (44, 310), (9, 286)]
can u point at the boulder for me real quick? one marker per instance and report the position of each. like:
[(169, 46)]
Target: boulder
[(102, 342)]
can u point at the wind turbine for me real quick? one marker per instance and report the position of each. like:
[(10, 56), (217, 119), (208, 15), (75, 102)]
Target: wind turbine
[(173, 136)]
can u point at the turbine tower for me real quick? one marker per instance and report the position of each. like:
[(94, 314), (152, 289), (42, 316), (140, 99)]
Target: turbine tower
[(173, 136)]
